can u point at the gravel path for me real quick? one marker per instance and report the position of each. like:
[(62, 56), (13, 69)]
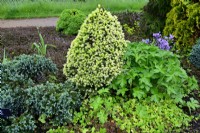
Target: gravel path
[(36, 22)]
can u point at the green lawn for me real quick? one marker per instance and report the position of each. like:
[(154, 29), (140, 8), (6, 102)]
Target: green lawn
[(51, 8)]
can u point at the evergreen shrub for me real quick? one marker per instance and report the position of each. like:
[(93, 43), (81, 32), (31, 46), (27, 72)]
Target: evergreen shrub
[(34, 107), (39, 107), (95, 56), (70, 21), (56, 102), (195, 54), (154, 16), (183, 22), (35, 67)]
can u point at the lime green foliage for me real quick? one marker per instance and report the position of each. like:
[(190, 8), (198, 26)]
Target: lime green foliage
[(95, 56), (154, 74), (135, 29), (130, 115), (70, 21), (41, 47), (154, 16), (52, 8), (183, 22), (59, 130)]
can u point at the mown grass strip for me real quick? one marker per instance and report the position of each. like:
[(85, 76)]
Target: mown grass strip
[(52, 8)]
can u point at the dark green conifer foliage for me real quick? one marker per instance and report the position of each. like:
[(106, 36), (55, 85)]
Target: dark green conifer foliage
[(195, 54), (183, 21), (154, 16)]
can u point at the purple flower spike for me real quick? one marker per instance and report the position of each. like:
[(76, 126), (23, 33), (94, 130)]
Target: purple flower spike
[(171, 37), (163, 44), (160, 41), (156, 35)]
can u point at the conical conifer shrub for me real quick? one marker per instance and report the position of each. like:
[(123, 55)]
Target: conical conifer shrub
[(95, 55)]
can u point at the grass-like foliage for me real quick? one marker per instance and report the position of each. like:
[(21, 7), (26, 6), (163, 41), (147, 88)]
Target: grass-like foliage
[(70, 21), (95, 56), (47, 8), (41, 47), (195, 54), (153, 73)]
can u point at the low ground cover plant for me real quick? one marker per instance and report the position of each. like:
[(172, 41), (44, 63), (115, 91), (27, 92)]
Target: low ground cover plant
[(35, 67), (129, 115), (34, 106), (39, 107)]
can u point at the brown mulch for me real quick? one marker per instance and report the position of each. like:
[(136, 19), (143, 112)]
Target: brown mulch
[(18, 41)]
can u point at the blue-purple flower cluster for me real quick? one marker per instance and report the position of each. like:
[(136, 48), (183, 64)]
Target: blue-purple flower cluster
[(161, 42)]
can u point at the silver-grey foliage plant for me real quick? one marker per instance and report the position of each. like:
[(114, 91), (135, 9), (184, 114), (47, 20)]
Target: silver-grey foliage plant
[(195, 54)]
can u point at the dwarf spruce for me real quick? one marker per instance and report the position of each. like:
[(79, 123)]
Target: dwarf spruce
[(95, 55)]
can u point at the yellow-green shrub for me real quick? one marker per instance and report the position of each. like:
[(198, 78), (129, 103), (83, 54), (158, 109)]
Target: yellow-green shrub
[(183, 21), (95, 56), (70, 21)]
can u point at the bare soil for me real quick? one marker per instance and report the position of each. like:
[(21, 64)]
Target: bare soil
[(18, 41)]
